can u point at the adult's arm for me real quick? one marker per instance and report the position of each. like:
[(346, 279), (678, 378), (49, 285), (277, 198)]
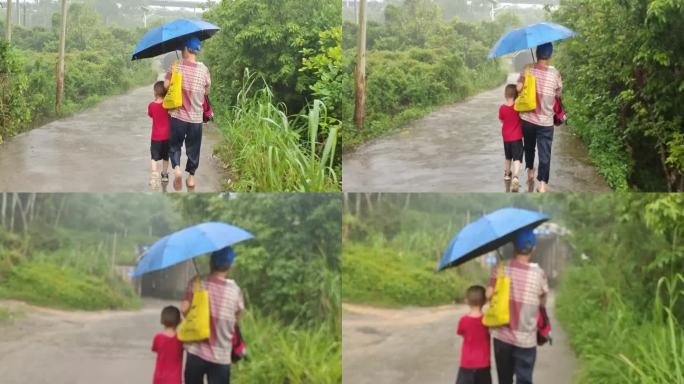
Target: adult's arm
[(489, 292), (207, 82), (167, 78), (240, 307), (544, 289), (187, 299)]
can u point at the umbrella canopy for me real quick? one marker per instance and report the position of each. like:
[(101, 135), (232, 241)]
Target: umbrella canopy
[(530, 37), (170, 37), (488, 233), (189, 243)]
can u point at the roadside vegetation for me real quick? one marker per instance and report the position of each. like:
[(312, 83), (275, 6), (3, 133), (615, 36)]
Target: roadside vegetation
[(624, 88), (623, 307), (276, 91)]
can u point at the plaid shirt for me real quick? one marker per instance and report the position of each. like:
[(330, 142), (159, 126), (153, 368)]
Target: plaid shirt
[(196, 83), (528, 283), (549, 86), (225, 303)]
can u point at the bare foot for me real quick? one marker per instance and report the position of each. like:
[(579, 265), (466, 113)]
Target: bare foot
[(190, 182), (177, 183)]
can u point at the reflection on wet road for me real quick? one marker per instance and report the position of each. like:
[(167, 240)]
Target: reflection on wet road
[(459, 149)]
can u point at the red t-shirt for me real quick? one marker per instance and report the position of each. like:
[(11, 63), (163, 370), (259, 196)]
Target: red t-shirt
[(160, 121), (512, 129), (169, 367), (475, 351)]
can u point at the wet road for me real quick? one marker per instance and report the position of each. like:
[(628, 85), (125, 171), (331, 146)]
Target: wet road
[(104, 149), (58, 347), (459, 149), (419, 345)]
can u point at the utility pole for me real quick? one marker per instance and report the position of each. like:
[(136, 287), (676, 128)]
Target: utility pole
[(60, 64), (360, 98), (8, 21)]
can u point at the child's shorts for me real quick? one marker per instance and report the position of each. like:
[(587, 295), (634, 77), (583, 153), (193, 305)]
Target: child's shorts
[(474, 376), (159, 150), (513, 150)]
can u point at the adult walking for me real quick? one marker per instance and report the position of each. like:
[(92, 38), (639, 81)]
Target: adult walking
[(515, 344), (537, 125), (186, 121), (211, 358)]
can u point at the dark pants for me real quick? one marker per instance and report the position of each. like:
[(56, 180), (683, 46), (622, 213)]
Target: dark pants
[(541, 138), (474, 376), (512, 360), (196, 368), (191, 134)]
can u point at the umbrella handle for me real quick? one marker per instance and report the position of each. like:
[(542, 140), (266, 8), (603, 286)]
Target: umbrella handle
[(533, 59), (194, 262)]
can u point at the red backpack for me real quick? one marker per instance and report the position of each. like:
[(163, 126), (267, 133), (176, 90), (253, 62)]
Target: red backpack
[(207, 110), (239, 351), (543, 327)]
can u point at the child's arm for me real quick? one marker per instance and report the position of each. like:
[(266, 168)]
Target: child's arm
[(459, 330), (501, 118), (149, 110), (155, 347)]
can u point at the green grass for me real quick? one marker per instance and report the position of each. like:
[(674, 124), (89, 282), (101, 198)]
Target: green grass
[(616, 341), (280, 353), (383, 276), (50, 285), (266, 150)]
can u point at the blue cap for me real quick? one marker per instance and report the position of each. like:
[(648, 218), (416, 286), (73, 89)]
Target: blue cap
[(544, 51), (223, 257), (525, 240), (194, 44)]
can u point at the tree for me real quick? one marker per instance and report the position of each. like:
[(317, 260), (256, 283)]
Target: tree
[(8, 21), (60, 64), (267, 37), (360, 94)]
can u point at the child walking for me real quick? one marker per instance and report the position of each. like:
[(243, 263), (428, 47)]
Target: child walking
[(169, 349), (475, 351), (159, 147), (512, 137)]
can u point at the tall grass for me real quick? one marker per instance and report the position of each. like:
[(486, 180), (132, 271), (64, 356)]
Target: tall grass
[(616, 341), (267, 150), (293, 354)]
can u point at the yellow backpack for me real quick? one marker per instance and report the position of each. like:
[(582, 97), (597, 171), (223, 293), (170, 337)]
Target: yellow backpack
[(498, 313), (196, 325), (174, 96), (527, 99)]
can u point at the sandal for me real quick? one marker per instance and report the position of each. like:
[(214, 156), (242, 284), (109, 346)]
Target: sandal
[(165, 177), (515, 184), (507, 175)]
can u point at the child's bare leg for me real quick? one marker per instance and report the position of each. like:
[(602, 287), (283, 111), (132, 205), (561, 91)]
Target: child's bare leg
[(165, 167), (516, 168), (507, 166), (154, 166)]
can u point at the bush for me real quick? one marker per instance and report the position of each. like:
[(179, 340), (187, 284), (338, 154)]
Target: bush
[(389, 277), (623, 82), (14, 90), (49, 285)]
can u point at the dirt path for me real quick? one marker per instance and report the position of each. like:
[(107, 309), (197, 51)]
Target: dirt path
[(419, 345), (104, 149), (57, 347), (458, 149)]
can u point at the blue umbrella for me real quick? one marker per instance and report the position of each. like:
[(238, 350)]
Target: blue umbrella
[(189, 243), (170, 37), (530, 37), (488, 233)]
